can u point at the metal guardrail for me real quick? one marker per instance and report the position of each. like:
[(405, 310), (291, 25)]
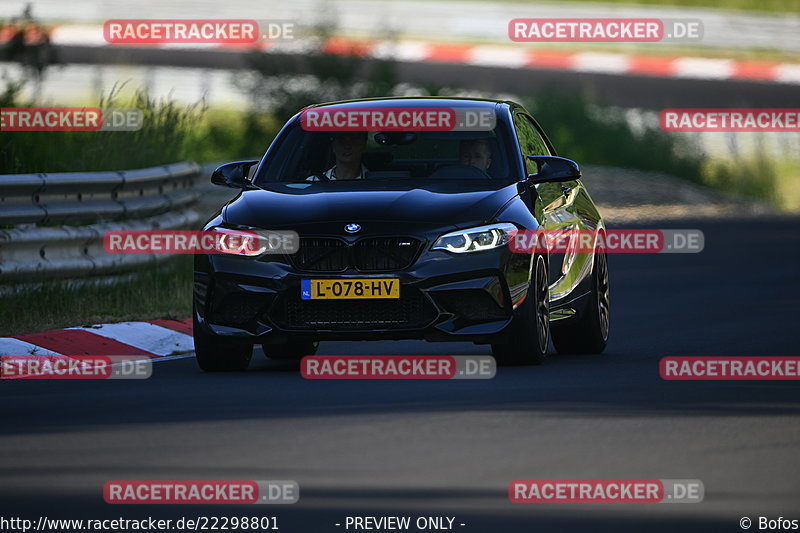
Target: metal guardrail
[(92, 196), (151, 198)]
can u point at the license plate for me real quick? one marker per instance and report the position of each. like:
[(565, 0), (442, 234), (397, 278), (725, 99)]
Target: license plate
[(338, 289)]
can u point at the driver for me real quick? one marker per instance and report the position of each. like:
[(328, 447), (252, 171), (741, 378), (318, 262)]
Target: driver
[(348, 148), (475, 153)]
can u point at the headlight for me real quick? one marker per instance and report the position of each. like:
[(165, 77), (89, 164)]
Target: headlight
[(253, 242), (476, 239)]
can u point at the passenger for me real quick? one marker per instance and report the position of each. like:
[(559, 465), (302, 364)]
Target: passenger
[(476, 153), (348, 148)]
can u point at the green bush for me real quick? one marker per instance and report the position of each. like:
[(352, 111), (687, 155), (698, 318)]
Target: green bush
[(601, 138)]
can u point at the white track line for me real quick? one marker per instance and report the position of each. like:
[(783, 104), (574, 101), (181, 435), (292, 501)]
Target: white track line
[(603, 63), (500, 56), (788, 73), (691, 67)]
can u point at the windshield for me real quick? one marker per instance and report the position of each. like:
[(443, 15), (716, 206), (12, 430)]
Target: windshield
[(302, 155)]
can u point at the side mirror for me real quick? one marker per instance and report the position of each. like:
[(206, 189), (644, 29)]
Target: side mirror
[(554, 169), (233, 175)]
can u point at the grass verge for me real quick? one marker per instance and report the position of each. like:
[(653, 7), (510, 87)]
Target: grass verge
[(161, 140), (594, 136), (775, 181), (159, 291)]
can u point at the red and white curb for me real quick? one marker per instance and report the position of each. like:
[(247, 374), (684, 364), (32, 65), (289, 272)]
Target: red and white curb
[(156, 339), (518, 56), (594, 62)]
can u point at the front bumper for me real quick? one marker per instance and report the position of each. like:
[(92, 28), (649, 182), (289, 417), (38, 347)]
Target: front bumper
[(444, 297)]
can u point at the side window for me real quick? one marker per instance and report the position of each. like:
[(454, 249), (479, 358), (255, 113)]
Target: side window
[(530, 142)]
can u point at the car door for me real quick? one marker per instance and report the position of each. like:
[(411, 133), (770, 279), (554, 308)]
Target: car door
[(565, 206)]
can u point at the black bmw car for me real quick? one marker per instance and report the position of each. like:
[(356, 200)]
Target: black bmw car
[(404, 234)]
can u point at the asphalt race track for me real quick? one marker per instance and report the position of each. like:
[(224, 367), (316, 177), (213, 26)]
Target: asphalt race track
[(450, 448)]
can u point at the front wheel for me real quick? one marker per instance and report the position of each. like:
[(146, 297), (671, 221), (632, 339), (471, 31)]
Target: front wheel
[(220, 354), (526, 343), (589, 335)]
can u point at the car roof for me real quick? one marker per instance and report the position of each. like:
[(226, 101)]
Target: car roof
[(419, 101)]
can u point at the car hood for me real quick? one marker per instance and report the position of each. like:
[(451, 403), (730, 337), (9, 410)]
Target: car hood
[(455, 203)]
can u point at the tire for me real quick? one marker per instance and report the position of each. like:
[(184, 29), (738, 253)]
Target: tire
[(220, 354), (292, 350), (526, 343), (589, 335)]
